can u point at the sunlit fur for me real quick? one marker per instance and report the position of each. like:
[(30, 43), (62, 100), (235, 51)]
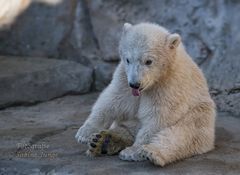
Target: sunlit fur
[(174, 117), (11, 9)]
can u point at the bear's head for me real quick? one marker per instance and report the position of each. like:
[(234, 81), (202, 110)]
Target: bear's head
[(147, 51)]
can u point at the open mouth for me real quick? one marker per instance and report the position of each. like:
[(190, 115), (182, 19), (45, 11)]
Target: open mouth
[(136, 92)]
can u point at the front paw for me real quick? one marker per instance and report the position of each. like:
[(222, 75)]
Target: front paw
[(84, 133), (133, 153)]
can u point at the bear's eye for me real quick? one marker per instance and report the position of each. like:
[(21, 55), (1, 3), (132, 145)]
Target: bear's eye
[(148, 62), (128, 61)]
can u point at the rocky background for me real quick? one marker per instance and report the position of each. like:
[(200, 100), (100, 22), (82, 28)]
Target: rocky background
[(60, 52), (71, 47)]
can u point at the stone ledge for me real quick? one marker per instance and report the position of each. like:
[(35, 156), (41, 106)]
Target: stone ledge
[(30, 80)]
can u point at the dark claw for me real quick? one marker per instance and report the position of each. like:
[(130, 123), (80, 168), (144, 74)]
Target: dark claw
[(107, 140), (93, 145), (105, 145), (94, 140), (98, 136), (104, 151)]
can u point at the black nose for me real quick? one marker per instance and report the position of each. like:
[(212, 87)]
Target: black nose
[(134, 85)]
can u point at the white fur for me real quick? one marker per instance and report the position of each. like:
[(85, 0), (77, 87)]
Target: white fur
[(174, 115)]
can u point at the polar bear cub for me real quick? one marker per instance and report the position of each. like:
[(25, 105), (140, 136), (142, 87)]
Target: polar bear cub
[(157, 106)]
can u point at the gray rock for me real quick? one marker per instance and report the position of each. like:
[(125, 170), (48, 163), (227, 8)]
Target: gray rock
[(228, 100), (107, 28), (59, 31), (38, 30), (103, 74), (80, 43), (200, 35), (52, 125), (28, 80)]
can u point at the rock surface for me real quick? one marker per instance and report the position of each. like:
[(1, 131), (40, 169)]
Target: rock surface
[(50, 127), (103, 75), (29, 80), (62, 31), (79, 43), (88, 31), (38, 30)]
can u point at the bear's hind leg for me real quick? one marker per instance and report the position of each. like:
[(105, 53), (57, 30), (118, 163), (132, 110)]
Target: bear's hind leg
[(179, 142), (193, 134)]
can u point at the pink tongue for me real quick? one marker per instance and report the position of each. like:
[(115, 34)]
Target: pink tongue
[(135, 92)]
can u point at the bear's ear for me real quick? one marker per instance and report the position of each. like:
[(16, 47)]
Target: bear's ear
[(174, 40), (126, 27)]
